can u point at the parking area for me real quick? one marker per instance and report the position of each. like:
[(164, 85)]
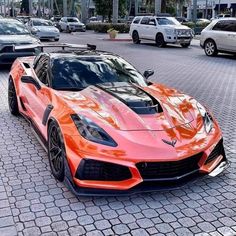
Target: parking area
[(32, 202)]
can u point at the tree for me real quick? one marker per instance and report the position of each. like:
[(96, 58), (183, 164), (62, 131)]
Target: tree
[(104, 8), (25, 7)]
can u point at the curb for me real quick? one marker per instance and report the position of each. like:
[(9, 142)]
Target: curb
[(118, 40)]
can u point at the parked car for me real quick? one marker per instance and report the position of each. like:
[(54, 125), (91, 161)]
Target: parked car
[(13, 32), (181, 19), (219, 36), (107, 128), (23, 19), (162, 30), (43, 29), (55, 20), (201, 21), (70, 24)]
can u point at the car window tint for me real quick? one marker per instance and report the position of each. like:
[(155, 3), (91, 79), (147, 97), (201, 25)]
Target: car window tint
[(167, 21), (145, 21), (152, 22), (41, 69), (220, 25), (230, 25), (225, 25), (136, 20), (73, 73)]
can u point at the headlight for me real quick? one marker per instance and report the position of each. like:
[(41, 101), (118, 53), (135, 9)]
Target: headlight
[(169, 31), (34, 30), (207, 119), (92, 132)]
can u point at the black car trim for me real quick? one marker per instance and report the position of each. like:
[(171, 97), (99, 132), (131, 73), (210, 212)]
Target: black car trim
[(46, 114)]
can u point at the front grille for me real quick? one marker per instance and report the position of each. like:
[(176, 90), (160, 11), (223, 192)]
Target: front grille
[(168, 170), (184, 37), (98, 170), (216, 152)]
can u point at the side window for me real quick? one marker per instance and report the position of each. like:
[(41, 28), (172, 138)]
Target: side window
[(219, 26), (226, 25), (152, 22), (230, 25), (136, 20), (41, 69), (145, 21)]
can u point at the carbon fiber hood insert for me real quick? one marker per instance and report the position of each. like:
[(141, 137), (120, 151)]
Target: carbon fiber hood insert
[(133, 96)]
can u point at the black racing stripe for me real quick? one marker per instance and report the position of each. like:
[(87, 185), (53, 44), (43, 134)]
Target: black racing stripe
[(132, 96)]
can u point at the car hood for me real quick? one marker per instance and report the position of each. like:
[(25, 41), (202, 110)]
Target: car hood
[(46, 28), (75, 23), (180, 27), (18, 39), (127, 107)]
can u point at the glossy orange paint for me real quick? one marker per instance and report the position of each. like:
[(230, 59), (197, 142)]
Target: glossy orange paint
[(139, 137)]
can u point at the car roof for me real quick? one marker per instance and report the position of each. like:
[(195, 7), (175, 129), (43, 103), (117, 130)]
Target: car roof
[(226, 18), (39, 19), (9, 20)]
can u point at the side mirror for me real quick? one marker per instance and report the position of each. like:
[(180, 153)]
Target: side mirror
[(152, 23), (148, 73), (30, 80)]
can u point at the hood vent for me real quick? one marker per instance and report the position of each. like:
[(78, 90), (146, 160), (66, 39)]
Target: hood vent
[(134, 97)]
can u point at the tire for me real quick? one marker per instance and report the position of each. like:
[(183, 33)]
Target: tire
[(185, 45), (12, 98), (210, 48), (68, 29), (160, 42), (56, 151), (135, 37), (56, 40), (60, 29)]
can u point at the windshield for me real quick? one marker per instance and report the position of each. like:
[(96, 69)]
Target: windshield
[(167, 21), (71, 73), (12, 28), (42, 23), (72, 20)]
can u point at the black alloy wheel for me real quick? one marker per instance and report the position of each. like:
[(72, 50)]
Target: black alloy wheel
[(12, 98), (160, 42), (135, 37), (56, 151)]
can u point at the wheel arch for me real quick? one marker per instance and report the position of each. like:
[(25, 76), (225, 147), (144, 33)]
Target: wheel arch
[(208, 40)]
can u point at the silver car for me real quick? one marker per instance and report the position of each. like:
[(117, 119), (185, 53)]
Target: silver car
[(70, 24), (219, 36), (43, 29), (14, 33)]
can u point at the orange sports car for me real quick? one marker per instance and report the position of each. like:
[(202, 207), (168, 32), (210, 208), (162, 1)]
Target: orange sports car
[(107, 128)]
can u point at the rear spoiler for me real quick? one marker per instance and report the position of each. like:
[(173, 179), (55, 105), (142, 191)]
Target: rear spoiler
[(63, 46)]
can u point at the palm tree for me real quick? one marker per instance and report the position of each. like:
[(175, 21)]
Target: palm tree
[(115, 11)]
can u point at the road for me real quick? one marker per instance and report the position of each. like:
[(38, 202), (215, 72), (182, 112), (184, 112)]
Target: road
[(32, 202)]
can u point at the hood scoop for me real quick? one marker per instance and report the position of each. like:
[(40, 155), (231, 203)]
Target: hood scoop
[(134, 97)]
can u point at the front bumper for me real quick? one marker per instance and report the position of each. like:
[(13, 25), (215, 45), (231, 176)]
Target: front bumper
[(47, 35), (211, 162), (178, 40), (77, 28)]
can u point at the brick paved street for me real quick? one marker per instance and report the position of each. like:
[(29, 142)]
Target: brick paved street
[(33, 203)]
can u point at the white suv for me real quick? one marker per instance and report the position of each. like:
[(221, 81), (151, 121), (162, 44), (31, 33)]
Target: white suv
[(162, 30), (219, 36), (71, 24)]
